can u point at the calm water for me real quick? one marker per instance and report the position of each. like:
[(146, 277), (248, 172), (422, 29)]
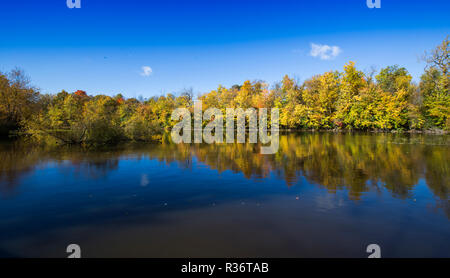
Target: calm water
[(321, 195)]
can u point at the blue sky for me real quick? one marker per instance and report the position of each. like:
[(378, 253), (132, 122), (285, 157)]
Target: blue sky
[(103, 47)]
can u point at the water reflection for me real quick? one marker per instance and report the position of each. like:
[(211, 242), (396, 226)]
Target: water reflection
[(358, 163)]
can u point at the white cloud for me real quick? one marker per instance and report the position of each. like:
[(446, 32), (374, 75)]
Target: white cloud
[(146, 71), (324, 52)]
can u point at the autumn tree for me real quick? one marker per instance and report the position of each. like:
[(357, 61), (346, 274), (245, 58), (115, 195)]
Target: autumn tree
[(394, 100), (434, 87), (286, 97), (319, 101), (352, 83)]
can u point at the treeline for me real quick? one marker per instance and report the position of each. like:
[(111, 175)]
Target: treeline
[(350, 100)]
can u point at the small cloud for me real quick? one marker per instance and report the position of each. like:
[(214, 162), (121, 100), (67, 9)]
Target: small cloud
[(144, 180), (146, 71), (324, 52)]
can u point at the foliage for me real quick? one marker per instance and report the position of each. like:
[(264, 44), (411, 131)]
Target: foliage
[(434, 86)]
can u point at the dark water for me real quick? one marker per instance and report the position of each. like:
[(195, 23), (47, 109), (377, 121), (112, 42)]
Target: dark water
[(321, 195)]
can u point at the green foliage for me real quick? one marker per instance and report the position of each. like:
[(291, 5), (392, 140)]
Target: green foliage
[(141, 127)]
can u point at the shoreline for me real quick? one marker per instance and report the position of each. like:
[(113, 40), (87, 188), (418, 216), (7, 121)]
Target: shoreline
[(17, 136), (412, 131)]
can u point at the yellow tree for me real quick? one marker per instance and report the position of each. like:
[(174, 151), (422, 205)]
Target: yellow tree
[(319, 96), (352, 83)]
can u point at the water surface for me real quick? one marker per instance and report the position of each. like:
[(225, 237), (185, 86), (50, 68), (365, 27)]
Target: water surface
[(321, 195)]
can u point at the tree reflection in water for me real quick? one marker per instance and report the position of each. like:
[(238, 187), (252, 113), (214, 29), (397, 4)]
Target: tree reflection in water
[(357, 163)]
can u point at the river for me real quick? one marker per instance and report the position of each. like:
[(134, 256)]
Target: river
[(320, 195)]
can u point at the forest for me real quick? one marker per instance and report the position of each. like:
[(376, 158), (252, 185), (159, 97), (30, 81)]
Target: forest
[(347, 100)]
